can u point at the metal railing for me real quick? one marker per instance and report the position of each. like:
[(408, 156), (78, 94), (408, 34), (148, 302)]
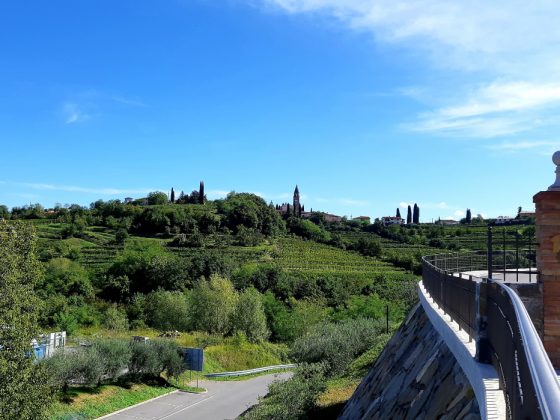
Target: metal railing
[(495, 317)]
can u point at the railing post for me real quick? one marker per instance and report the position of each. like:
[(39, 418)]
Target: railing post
[(483, 354), (489, 262)]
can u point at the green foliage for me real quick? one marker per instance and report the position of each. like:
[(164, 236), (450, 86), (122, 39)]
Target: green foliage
[(115, 319), (157, 197), (65, 277), (308, 230), (363, 363), (336, 344), (212, 304), (115, 355), (287, 324), (155, 357), (250, 211), (292, 399), (23, 385), (249, 317), (166, 311)]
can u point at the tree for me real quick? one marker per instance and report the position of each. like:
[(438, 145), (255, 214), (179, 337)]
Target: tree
[(398, 212), (409, 216), (24, 389), (4, 212), (172, 199), (201, 197), (212, 303), (249, 316), (416, 214), (157, 197), (468, 217), (166, 311)]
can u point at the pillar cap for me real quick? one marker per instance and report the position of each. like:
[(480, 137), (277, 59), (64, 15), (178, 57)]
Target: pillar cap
[(556, 161)]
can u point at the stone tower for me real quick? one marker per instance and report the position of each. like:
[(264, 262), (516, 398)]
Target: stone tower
[(297, 205)]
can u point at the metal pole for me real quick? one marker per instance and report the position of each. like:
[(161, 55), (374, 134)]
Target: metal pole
[(530, 264), (489, 252), (504, 251), (387, 317), (517, 256)]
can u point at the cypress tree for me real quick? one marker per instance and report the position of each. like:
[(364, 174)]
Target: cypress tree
[(468, 217), (416, 214), (398, 212), (201, 193), (172, 195), (409, 216)]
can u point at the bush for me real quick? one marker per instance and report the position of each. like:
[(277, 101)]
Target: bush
[(292, 399), (336, 344), (212, 304), (155, 357), (115, 355), (167, 311), (249, 317), (115, 319)]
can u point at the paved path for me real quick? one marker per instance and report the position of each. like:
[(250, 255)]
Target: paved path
[(224, 400)]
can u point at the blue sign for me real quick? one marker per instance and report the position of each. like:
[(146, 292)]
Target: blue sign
[(194, 359)]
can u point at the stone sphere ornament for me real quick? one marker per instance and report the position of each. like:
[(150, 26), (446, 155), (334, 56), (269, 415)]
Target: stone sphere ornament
[(556, 160)]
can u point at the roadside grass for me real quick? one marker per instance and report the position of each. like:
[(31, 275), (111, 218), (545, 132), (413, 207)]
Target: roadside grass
[(88, 403)]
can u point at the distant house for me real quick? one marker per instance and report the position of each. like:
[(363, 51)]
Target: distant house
[(502, 220), (392, 220), (366, 219), (128, 200), (526, 215), (448, 222)]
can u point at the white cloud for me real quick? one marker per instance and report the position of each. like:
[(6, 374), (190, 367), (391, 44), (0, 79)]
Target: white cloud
[(214, 194), (352, 202), (73, 188), (128, 101), (74, 114), (545, 147), (497, 109), (505, 52), (459, 213)]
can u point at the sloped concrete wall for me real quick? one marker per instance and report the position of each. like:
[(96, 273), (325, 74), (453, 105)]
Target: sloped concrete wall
[(415, 377)]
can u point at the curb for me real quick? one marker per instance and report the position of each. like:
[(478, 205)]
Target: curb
[(136, 405)]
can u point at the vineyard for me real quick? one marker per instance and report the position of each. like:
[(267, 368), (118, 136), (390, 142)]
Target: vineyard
[(296, 255)]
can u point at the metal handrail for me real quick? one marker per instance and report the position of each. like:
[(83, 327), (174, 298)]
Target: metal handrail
[(527, 375), (541, 369)]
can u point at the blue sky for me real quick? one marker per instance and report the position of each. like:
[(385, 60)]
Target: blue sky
[(365, 105)]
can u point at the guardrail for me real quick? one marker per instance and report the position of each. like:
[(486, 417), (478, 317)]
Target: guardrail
[(495, 317), (249, 371)]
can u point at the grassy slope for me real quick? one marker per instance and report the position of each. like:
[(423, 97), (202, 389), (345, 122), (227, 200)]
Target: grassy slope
[(90, 404)]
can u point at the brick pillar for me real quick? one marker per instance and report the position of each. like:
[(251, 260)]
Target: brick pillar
[(548, 263)]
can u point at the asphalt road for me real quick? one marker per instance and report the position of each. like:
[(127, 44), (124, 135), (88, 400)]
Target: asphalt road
[(224, 400)]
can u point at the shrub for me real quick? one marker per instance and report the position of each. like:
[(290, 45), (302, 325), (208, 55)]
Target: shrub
[(212, 304), (249, 317), (115, 355), (292, 399), (336, 344), (167, 311), (115, 319)]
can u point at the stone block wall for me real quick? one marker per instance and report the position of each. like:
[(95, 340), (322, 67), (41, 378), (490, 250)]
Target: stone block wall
[(416, 376)]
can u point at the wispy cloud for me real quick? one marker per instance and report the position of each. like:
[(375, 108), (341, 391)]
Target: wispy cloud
[(497, 109), (128, 101), (505, 82), (99, 191), (542, 147), (73, 113)]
